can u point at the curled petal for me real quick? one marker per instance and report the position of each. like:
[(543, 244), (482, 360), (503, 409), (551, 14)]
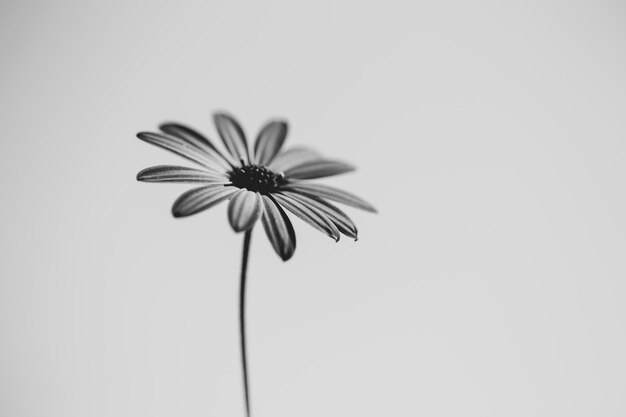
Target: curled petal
[(317, 169), (309, 214), (197, 139), (292, 157), (233, 137), (269, 142), (182, 148), (244, 209), (176, 174), (202, 198), (334, 214), (330, 193), (278, 228)]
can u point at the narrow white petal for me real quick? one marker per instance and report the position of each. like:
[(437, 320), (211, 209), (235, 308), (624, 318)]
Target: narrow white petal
[(197, 139), (292, 157), (318, 168), (244, 209), (269, 142), (182, 148), (202, 198), (176, 174), (278, 228), (233, 136), (334, 214), (330, 193), (309, 214)]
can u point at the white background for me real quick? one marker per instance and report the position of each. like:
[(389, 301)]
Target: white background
[(490, 135)]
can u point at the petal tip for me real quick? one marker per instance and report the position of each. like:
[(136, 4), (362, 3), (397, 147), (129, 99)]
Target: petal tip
[(238, 228), (286, 256), (219, 115), (166, 125)]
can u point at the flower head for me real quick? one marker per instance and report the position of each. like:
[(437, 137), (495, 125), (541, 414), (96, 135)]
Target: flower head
[(258, 182)]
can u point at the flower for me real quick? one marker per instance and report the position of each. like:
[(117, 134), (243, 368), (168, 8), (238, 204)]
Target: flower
[(258, 182)]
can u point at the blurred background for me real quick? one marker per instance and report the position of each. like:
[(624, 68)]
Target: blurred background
[(490, 135)]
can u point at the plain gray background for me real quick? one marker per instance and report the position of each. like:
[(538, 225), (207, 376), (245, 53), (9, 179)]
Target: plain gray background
[(490, 135)]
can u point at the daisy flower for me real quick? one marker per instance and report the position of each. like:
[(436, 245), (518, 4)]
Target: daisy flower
[(259, 183)]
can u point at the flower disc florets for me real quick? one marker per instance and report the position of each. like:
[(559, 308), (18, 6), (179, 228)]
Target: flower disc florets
[(255, 178)]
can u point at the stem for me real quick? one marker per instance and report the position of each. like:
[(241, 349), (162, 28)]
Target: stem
[(242, 315)]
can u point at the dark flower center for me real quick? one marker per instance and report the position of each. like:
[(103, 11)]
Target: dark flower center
[(255, 178)]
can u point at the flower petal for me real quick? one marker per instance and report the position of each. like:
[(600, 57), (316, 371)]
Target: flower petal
[(334, 214), (202, 198), (180, 147), (317, 169), (269, 142), (233, 137), (244, 209), (278, 228), (197, 139), (176, 174), (309, 214), (292, 157), (331, 193)]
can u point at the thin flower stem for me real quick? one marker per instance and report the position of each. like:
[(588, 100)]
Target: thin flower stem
[(242, 315)]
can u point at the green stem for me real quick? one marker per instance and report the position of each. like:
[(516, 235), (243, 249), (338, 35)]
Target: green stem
[(242, 315)]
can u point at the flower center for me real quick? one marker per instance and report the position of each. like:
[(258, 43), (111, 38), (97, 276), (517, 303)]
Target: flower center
[(255, 178)]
